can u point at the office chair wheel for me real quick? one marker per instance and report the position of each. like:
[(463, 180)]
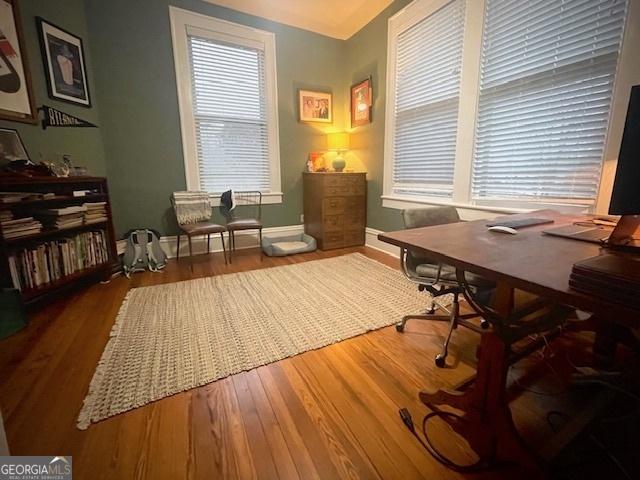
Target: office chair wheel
[(399, 327), (484, 324), (440, 360)]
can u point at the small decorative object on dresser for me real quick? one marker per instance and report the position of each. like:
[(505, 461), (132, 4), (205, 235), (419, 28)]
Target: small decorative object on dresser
[(339, 143), (335, 208)]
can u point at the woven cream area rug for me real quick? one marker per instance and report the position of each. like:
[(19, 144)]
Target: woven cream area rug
[(174, 337)]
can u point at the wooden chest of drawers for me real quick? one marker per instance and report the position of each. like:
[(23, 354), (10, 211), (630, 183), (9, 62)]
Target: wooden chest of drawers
[(335, 208)]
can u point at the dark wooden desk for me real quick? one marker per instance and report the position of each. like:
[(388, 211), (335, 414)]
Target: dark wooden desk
[(528, 261)]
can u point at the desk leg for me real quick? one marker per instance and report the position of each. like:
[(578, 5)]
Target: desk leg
[(486, 421)]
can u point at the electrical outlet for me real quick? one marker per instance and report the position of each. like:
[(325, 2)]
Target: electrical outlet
[(302, 218)]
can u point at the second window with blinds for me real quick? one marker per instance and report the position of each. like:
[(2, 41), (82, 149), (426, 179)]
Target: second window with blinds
[(228, 107), (500, 103)]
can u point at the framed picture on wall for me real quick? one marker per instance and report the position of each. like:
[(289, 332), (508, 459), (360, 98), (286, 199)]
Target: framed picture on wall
[(315, 106), (64, 63), (16, 94), (361, 103), (11, 146)]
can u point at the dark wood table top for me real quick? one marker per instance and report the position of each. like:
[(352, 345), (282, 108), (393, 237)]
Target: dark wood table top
[(530, 261)]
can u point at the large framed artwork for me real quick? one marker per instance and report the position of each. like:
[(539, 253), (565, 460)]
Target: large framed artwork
[(64, 64), (315, 106), (16, 97), (361, 102)]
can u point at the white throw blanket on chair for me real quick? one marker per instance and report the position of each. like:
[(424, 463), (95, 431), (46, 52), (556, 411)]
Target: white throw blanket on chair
[(192, 207)]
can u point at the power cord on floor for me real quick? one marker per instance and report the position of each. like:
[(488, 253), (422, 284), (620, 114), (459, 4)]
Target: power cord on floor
[(429, 447)]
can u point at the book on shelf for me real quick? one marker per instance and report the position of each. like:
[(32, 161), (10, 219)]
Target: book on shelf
[(20, 227), (16, 197), (37, 266), (5, 216), (84, 193), (96, 212), (62, 218)]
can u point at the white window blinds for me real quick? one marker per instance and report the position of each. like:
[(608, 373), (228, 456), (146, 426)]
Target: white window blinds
[(230, 115), (428, 61), (547, 77)]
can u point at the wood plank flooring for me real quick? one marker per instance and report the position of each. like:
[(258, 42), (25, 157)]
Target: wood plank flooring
[(325, 414)]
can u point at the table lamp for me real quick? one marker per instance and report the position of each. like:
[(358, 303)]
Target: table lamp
[(338, 142)]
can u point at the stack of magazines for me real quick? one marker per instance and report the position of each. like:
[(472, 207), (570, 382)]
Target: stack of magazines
[(34, 267), (20, 227), (5, 215), (61, 218), (96, 212), (613, 277)]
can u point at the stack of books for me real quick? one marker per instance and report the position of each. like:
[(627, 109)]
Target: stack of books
[(20, 227), (613, 277), (96, 212), (5, 215), (15, 197), (61, 218), (37, 266)]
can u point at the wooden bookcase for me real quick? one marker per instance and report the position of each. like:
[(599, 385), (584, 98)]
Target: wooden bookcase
[(63, 189)]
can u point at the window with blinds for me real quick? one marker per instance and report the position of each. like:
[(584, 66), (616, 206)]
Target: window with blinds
[(230, 115), (547, 75), (428, 57)]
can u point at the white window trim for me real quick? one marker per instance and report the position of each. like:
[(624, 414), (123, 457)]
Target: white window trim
[(181, 22), (469, 96)]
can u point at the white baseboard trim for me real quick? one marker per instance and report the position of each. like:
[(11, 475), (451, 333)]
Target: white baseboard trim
[(249, 239), (371, 240), (244, 239)]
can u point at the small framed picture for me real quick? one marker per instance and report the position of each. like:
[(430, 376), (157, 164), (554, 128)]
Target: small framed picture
[(361, 103), (315, 106), (64, 63), (11, 146), (316, 162)]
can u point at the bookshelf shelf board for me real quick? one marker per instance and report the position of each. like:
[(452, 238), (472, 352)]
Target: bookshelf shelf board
[(53, 232), (51, 202), (19, 180), (32, 293)]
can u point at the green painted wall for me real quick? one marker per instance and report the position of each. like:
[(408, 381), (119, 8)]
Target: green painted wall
[(135, 77), (366, 54), (83, 144)]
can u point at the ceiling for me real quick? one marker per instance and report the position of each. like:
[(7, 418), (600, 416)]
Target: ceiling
[(333, 18)]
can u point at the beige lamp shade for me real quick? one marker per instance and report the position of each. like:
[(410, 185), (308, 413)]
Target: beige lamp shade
[(338, 141)]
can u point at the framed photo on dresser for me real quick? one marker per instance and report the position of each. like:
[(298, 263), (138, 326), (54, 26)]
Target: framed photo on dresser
[(64, 64), (16, 93)]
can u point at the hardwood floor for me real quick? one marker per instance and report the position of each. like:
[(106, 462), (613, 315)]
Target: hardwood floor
[(325, 414)]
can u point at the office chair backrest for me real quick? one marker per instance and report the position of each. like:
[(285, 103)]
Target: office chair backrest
[(427, 217)]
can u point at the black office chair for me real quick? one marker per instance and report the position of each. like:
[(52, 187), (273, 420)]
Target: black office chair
[(439, 279)]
